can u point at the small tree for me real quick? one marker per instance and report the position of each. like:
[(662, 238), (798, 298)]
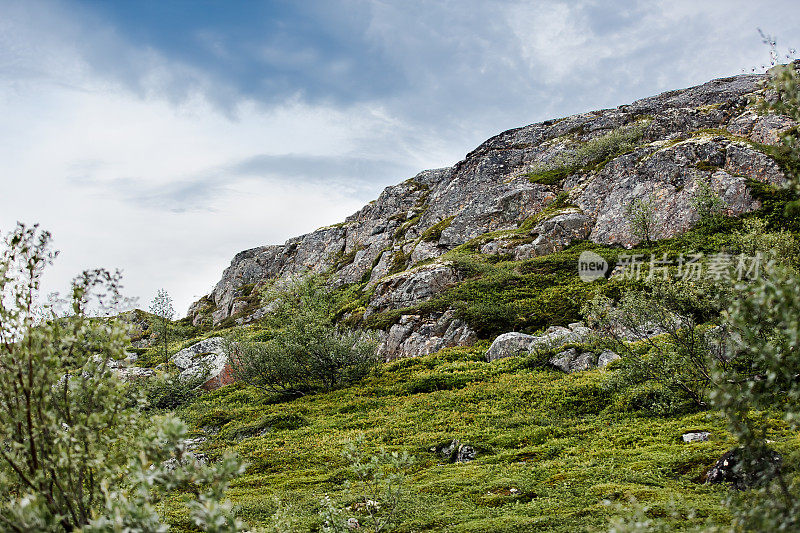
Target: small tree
[(708, 204), (379, 489), (641, 217), (766, 376), (74, 454), (161, 306), (658, 333), (307, 348), (768, 363)]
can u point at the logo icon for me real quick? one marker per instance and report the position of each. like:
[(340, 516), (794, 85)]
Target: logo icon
[(591, 266)]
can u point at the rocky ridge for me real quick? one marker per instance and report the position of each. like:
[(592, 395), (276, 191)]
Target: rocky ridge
[(682, 140)]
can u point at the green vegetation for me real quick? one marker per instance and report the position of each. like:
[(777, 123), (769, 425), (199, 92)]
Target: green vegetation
[(433, 233), (640, 215), (708, 204), (161, 307), (304, 348), (75, 454), (589, 155), (553, 448)]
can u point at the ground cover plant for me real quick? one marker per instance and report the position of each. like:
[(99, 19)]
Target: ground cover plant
[(553, 449)]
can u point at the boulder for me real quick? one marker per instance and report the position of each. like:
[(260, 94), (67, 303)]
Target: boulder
[(207, 358), (457, 452), (696, 436), (558, 232), (732, 468), (514, 344), (605, 357), (571, 360), (414, 335), (510, 345)]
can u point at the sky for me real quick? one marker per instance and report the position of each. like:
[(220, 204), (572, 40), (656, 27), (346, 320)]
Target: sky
[(161, 137)]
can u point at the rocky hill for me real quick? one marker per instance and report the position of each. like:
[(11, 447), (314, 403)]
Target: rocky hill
[(527, 192)]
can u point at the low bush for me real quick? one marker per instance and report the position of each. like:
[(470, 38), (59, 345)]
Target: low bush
[(169, 391), (588, 155), (308, 350)]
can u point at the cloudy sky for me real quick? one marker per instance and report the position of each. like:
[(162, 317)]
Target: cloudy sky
[(163, 136)]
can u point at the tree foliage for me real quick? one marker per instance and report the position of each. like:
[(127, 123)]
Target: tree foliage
[(75, 454), (641, 217), (161, 306), (307, 349)]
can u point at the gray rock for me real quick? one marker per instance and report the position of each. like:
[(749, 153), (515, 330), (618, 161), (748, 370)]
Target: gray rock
[(207, 358), (515, 344), (696, 436), (605, 358), (509, 345), (669, 176), (765, 129), (571, 360), (411, 287), (558, 232), (415, 336), (456, 452)]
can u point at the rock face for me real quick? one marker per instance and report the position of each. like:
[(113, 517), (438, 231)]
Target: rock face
[(690, 138), (414, 335), (206, 358)]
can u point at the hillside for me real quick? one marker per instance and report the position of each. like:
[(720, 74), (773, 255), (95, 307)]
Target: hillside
[(513, 398), (527, 192)]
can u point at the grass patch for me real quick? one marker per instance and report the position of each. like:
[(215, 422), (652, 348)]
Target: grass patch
[(552, 448), (589, 155)]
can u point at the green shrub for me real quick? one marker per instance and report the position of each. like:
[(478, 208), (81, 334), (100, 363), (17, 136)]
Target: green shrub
[(659, 335), (167, 392), (708, 205), (75, 455), (308, 349), (640, 214), (588, 155)]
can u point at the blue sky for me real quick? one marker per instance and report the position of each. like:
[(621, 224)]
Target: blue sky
[(162, 137)]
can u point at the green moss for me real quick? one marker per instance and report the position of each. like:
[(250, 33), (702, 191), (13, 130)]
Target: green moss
[(399, 261), (705, 166), (551, 177), (434, 233), (552, 448)]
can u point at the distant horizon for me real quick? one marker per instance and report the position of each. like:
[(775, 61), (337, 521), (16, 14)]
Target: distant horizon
[(162, 139)]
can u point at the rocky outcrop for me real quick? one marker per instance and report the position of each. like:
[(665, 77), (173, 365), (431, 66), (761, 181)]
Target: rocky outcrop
[(690, 138), (207, 360), (549, 236), (415, 335), (411, 287), (516, 344)]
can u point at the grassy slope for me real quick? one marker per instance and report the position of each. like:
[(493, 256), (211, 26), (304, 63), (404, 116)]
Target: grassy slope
[(564, 442), (561, 440)]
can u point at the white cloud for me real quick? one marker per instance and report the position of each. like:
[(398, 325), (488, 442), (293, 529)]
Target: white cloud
[(68, 138), (99, 135)]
